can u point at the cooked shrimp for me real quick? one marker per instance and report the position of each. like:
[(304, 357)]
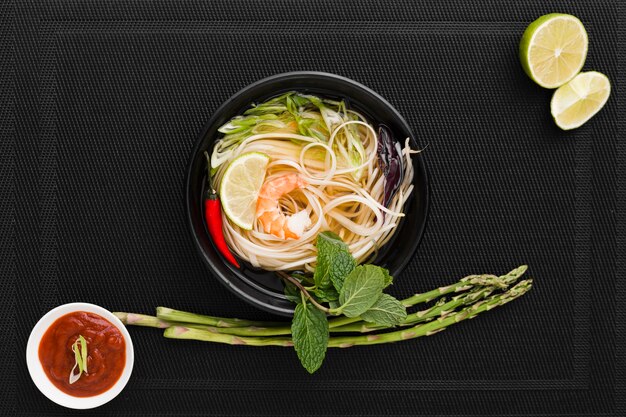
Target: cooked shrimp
[(273, 220)]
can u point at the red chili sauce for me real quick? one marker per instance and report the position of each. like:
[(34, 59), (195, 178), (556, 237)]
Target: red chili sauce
[(106, 350)]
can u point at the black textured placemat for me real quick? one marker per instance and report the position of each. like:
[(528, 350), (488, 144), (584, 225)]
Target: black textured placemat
[(101, 102)]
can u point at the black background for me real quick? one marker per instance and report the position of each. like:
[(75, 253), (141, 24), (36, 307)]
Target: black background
[(101, 104)]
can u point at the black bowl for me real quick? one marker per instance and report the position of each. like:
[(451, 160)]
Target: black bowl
[(264, 289)]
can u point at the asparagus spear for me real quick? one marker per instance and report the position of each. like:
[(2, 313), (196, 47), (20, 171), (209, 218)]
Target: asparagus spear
[(143, 320), (190, 333), (435, 326), (361, 327), (167, 317), (425, 329), (170, 314), (440, 309), (151, 321)]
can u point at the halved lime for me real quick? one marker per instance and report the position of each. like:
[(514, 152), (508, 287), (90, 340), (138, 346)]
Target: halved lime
[(240, 186), (553, 49), (580, 99)]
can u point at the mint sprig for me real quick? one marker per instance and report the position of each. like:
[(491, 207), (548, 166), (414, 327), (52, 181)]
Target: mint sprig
[(347, 289)]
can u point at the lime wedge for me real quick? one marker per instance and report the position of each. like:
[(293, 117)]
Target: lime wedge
[(240, 187), (580, 99), (553, 49)]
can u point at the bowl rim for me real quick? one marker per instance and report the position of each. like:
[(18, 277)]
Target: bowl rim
[(200, 138), (41, 380)]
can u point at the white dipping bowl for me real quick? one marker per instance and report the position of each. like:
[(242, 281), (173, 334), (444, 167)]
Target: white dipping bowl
[(41, 379)]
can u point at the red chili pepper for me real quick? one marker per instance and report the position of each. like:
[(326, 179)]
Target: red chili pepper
[(213, 218)]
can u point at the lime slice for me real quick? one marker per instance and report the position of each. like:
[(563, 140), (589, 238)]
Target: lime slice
[(240, 187), (553, 49), (580, 99)]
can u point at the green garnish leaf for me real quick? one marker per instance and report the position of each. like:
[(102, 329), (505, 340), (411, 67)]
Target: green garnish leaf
[(326, 295), (386, 311), (80, 356), (292, 293), (388, 277), (334, 261), (361, 289), (309, 330)]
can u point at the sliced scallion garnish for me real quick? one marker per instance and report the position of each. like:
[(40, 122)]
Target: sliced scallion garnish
[(80, 355)]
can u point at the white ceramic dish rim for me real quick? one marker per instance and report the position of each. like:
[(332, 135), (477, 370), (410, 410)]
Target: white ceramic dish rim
[(39, 376)]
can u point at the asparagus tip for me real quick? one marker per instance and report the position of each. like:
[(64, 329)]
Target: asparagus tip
[(519, 271)]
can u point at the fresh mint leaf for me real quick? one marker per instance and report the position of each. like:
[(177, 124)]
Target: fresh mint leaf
[(343, 264), (292, 293), (386, 311), (309, 330), (334, 261), (326, 295), (388, 277), (361, 288)]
